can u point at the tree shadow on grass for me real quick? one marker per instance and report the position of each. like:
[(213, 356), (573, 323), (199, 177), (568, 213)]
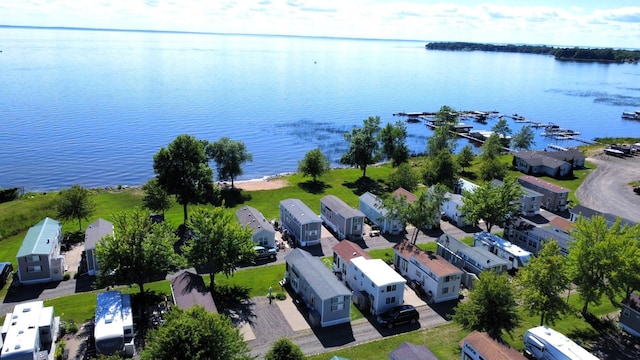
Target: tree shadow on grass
[(364, 184), (233, 196), (314, 187)]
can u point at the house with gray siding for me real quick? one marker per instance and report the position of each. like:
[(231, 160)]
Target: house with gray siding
[(588, 213), (263, 232), (372, 207), (629, 320), (532, 238), (92, 236), (573, 156), (327, 300), (39, 259), (299, 222), (539, 163), (451, 209), (469, 258), (345, 221), (530, 201), (554, 197)]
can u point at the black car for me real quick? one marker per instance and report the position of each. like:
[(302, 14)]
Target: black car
[(263, 253), (399, 315)]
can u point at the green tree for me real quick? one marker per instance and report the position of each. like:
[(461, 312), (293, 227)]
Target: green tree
[(219, 242), (424, 213), (75, 203), (446, 116), (229, 155), (543, 281), (394, 143), (594, 258), (363, 145), (465, 157), (493, 204), (155, 197), (493, 169), (626, 279), (440, 169), (314, 164), (491, 306), (195, 334), (502, 128), (284, 349), (523, 139), (138, 251), (491, 148), (182, 169), (405, 177)]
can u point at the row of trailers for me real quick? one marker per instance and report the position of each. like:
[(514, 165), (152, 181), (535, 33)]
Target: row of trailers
[(113, 330)]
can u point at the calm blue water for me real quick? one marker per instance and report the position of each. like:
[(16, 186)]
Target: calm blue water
[(93, 107)]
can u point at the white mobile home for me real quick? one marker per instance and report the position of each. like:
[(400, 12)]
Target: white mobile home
[(439, 279), (378, 286), (29, 332), (544, 343), (472, 259), (299, 222), (343, 253), (372, 208), (451, 209), (345, 221), (39, 259), (516, 257), (94, 233), (113, 331)]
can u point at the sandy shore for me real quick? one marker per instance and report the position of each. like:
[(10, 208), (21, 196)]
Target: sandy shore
[(262, 184)]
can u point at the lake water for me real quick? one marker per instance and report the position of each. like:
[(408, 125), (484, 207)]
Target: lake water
[(93, 107)]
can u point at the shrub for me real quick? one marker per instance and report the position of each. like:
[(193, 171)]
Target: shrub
[(66, 276), (280, 296)]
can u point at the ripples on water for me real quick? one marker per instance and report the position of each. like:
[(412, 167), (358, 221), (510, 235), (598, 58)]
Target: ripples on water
[(93, 107)]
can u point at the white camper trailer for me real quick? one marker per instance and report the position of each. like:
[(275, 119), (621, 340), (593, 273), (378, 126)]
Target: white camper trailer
[(515, 255), (544, 343)]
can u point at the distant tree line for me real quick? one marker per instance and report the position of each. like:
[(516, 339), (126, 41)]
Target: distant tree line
[(566, 54)]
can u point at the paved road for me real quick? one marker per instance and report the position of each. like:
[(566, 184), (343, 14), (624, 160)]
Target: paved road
[(607, 188)]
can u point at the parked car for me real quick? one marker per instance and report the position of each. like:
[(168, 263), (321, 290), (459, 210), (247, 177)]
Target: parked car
[(263, 253), (398, 315), (6, 269), (375, 231)]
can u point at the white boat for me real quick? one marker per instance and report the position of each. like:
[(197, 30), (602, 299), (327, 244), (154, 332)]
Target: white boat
[(613, 152), (557, 147), (633, 115)]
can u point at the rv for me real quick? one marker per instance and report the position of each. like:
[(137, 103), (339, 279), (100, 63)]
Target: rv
[(516, 257), (544, 343), (113, 329)]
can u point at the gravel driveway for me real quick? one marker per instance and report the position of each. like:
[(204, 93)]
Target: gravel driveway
[(607, 188)]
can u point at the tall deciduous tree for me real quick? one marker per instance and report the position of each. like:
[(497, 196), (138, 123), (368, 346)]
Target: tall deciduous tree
[(502, 128), (405, 177), (523, 139), (626, 279), (493, 204), (491, 148), (492, 169), (465, 157), (394, 143), (363, 145), (595, 257), (75, 203), (490, 307), (182, 169), (284, 349), (155, 197), (440, 169), (219, 242), (424, 213), (195, 334), (314, 164), (138, 251), (543, 281), (229, 155)]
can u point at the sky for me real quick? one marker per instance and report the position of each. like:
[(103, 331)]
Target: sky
[(591, 23)]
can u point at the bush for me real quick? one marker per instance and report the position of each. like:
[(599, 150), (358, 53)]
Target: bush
[(59, 349), (66, 276), (76, 275), (70, 327), (280, 296)]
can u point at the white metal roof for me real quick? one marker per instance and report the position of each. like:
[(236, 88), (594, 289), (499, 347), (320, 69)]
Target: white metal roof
[(377, 271), (564, 345), (22, 330)]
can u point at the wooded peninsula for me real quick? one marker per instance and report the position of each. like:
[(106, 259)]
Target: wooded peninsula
[(606, 55)]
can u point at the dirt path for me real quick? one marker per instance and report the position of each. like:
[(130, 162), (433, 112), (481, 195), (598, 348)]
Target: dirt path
[(607, 188)]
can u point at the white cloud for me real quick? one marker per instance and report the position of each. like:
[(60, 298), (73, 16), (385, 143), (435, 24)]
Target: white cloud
[(514, 21)]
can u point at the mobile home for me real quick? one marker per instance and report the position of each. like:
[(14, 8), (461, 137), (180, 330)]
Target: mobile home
[(345, 221), (544, 343), (299, 222), (113, 330), (516, 257), (29, 332)]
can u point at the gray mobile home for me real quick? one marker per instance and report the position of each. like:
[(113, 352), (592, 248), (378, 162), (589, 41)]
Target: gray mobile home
[(262, 231), (345, 221), (300, 222), (326, 298)]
